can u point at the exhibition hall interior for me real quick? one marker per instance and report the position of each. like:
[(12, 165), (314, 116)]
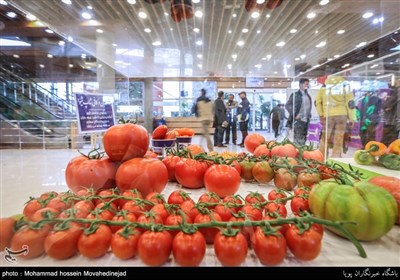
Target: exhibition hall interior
[(318, 75)]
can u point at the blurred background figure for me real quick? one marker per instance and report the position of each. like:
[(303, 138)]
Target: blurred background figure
[(243, 112), (231, 107), (220, 119), (335, 115), (391, 116), (277, 115), (368, 115), (204, 111)]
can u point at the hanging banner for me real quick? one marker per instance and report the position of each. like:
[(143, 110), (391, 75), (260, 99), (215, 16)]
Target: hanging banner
[(95, 112)]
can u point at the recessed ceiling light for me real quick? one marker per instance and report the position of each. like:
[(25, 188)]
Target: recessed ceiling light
[(68, 2), (132, 2), (311, 15), (297, 58), (234, 15), (61, 43), (198, 13), (293, 31), (70, 39), (245, 30), (49, 31), (280, 44), (378, 20), (268, 56), (31, 17), (275, 72), (374, 66), (367, 15), (147, 30), (49, 55), (303, 56), (268, 16), (346, 65), (316, 32), (99, 30), (11, 14), (41, 65), (16, 55), (142, 14), (196, 30), (255, 14), (195, 1), (258, 31), (171, 29), (86, 15), (258, 66), (264, 58), (378, 73), (156, 43), (166, 14), (370, 55), (336, 55), (229, 66), (260, 1), (90, 7), (229, 31), (199, 65), (240, 43), (234, 56), (321, 44), (70, 65), (114, 45), (330, 58), (4, 3), (341, 31), (199, 42), (323, 2), (361, 44), (200, 56)]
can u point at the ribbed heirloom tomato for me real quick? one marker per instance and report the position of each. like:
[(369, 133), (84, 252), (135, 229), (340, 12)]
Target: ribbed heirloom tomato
[(123, 142)]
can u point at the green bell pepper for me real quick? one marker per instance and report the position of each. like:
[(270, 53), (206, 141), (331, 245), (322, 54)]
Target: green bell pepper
[(363, 157), (390, 161)]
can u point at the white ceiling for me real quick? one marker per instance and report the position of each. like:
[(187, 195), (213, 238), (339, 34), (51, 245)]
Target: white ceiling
[(219, 32)]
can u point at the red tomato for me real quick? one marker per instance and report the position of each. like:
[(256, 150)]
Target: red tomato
[(314, 154), (6, 232), (82, 172), (270, 249), (175, 220), (160, 132), (134, 193), (209, 198), (124, 243), (96, 244), (304, 191), (277, 194), (224, 211), (188, 208), (32, 239), (247, 170), (190, 173), (208, 233), (235, 200), (299, 204), (103, 194), (150, 154), (44, 213), (154, 248), (262, 150), (178, 197), (160, 211), (136, 207), (170, 162), (155, 198), (63, 244), (305, 247), (305, 179), (230, 250), (189, 249), (149, 219), (262, 172), (222, 179), (284, 179), (287, 150), (144, 174), (171, 134), (59, 203), (31, 207), (276, 208), (253, 213), (120, 217), (123, 142), (83, 208), (252, 141)]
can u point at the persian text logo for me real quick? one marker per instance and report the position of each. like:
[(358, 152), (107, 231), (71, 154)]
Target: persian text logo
[(10, 254)]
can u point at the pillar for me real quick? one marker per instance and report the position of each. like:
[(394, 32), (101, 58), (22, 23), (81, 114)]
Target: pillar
[(105, 51), (148, 104)]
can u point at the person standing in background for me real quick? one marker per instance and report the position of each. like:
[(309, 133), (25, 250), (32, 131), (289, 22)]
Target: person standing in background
[(299, 108), (337, 105), (243, 116), (368, 115), (277, 118), (390, 108), (231, 106), (220, 118), (204, 111)]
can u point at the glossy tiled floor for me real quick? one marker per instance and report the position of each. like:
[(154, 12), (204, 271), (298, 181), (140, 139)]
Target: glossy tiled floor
[(32, 172)]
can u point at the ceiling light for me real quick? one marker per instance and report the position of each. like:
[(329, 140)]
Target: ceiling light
[(374, 66), (346, 65), (229, 31), (264, 58), (11, 14), (156, 43), (268, 56), (147, 30), (255, 14), (341, 31), (367, 15), (142, 14), (114, 45), (199, 42), (293, 31), (260, 1), (132, 2), (2, 2), (378, 20), (361, 44), (303, 56), (240, 43), (70, 65), (311, 15), (49, 55), (316, 32), (275, 72), (234, 56), (16, 55), (280, 44), (195, 1), (49, 31), (268, 16), (68, 2), (323, 2), (198, 13), (200, 56), (234, 15), (61, 43), (86, 15), (30, 17), (41, 65), (245, 30), (258, 31), (336, 55), (321, 44), (199, 65), (99, 30), (297, 58), (370, 55), (166, 14), (258, 66), (90, 7), (196, 30), (229, 66), (83, 55), (377, 73), (330, 58)]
